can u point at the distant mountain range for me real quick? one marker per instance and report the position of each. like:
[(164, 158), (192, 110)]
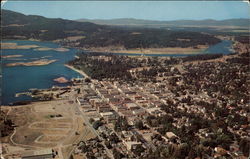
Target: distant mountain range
[(179, 23)]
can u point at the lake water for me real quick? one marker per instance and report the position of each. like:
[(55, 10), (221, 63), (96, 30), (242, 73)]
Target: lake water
[(21, 78)]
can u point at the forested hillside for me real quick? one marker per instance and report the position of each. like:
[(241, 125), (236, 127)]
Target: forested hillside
[(86, 35)]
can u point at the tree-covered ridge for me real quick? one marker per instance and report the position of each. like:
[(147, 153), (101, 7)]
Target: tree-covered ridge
[(16, 25), (147, 38), (42, 28)]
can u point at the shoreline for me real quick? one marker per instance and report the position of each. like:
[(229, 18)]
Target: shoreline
[(153, 51), (78, 71), (146, 51)]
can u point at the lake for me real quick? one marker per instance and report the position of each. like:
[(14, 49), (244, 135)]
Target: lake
[(22, 78)]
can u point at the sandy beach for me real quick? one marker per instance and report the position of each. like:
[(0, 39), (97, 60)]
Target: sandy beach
[(79, 71)]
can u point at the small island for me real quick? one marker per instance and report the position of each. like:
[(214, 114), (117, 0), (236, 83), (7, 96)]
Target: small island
[(35, 47), (54, 49), (61, 80), (61, 49), (16, 46), (32, 63), (43, 49), (11, 56)]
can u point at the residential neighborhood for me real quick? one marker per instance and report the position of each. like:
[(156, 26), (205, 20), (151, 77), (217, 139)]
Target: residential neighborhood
[(178, 114)]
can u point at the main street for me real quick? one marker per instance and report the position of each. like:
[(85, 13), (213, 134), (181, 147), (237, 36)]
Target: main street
[(73, 95)]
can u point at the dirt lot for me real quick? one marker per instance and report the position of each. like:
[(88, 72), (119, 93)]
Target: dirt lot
[(39, 121), (53, 124)]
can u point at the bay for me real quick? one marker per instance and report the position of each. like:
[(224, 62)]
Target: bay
[(22, 78)]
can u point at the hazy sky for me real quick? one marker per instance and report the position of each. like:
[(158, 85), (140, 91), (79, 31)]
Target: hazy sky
[(153, 10)]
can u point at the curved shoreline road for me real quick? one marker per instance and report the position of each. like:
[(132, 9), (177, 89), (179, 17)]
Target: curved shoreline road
[(79, 71)]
